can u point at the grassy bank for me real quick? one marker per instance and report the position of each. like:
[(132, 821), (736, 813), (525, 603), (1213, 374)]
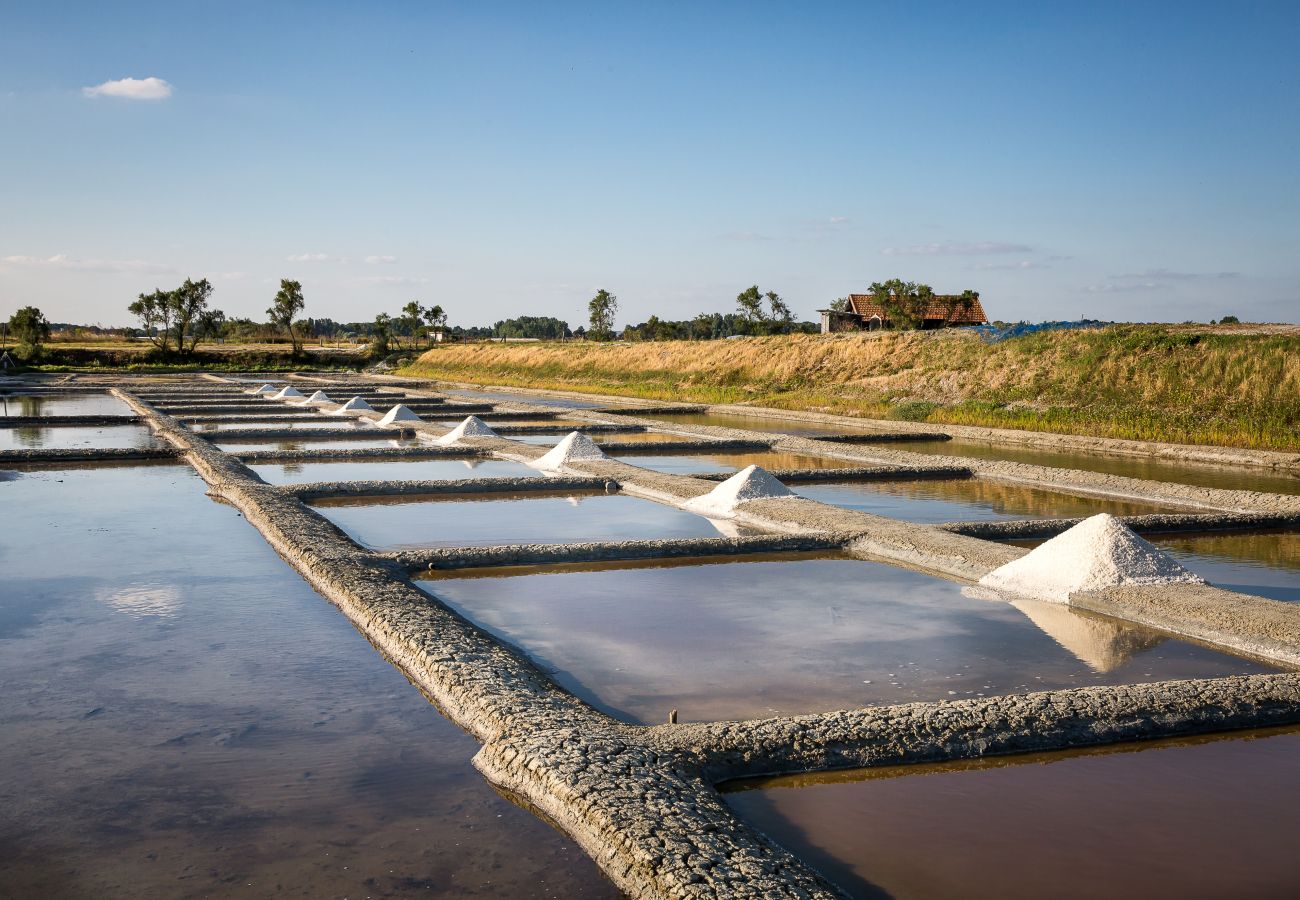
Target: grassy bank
[(1164, 383)]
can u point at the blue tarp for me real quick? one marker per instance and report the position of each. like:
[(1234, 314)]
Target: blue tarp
[(995, 333)]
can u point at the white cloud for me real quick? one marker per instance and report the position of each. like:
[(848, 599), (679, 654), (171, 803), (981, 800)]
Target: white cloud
[(131, 89), (838, 220), (1167, 275), (393, 280), (380, 260), (1007, 267), (63, 262), (956, 249), (313, 258)]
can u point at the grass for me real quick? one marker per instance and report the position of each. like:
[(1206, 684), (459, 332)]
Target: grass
[(1147, 382)]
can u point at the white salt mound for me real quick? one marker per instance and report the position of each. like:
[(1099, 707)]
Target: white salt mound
[(574, 448), (356, 404), (1099, 552), (750, 483), (264, 389), (398, 413), (472, 427), (318, 397), (287, 394)]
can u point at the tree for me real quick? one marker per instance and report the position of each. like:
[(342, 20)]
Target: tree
[(379, 334), (435, 317), (288, 303), (780, 314), (602, 308), (904, 302), (842, 304), (155, 314), (750, 303), (30, 329), (412, 316), (189, 304)]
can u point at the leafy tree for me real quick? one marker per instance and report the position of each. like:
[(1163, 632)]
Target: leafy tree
[(904, 302), (750, 303), (1229, 320), (780, 312), (155, 313), (189, 304), (380, 332), (284, 311), (411, 318), (30, 329), (841, 304), (435, 317), (211, 325), (602, 308)]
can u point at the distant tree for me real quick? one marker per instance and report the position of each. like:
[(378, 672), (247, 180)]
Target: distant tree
[(780, 314), (29, 329), (904, 302), (284, 311), (411, 319), (155, 313), (1230, 320), (435, 317), (841, 304), (602, 309), (210, 325), (189, 304), (380, 332), (750, 303)]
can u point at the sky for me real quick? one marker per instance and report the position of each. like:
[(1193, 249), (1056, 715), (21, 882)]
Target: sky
[(1126, 161)]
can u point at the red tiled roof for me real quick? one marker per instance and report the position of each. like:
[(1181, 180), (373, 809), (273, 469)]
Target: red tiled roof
[(866, 306)]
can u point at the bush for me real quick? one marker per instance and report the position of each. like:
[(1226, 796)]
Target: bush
[(914, 410)]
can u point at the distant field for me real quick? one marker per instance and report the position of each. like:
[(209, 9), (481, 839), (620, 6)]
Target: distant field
[(1187, 384), (118, 353)]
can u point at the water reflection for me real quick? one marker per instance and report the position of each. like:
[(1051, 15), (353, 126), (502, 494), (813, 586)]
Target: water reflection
[(77, 437)]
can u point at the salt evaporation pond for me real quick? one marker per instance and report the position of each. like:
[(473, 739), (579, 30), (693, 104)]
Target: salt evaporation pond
[(466, 396), (482, 520), (931, 501), (381, 470), (77, 437), (600, 437), (1198, 818), (184, 716), (88, 404), (313, 424), (800, 635), (1243, 478), (710, 461), (771, 424), (308, 443)]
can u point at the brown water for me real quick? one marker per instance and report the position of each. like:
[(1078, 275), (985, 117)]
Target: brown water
[(379, 470), (1203, 818), (1227, 477), (484, 520), (77, 437), (62, 405), (722, 461), (754, 639), (184, 717), (761, 423), (932, 501)]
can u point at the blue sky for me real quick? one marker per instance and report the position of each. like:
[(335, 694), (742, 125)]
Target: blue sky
[(1133, 161)]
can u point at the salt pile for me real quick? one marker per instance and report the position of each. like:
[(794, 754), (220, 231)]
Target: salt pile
[(398, 413), (1099, 552), (318, 397), (287, 393), (472, 427), (574, 448), (264, 389), (356, 404), (750, 483)]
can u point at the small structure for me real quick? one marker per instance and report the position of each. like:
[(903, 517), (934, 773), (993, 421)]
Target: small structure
[(865, 313)]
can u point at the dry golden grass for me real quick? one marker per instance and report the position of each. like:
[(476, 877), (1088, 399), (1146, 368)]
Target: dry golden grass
[(1145, 382)]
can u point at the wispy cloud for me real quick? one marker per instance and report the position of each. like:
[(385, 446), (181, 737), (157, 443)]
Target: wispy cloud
[(1168, 275), (1009, 267), (63, 262), (314, 258), (393, 280), (131, 89), (380, 260), (1126, 287), (956, 249)]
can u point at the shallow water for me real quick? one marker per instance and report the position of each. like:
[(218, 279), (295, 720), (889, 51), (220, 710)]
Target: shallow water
[(600, 437), (308, 443), (465, 396), (184, 717), (486, 520), (721, 461), (931, 501), (62, 405), (304, 425), (77, 437), (1201, 818), (753, 639), (762, 423), (1225, 477), (415, 470)]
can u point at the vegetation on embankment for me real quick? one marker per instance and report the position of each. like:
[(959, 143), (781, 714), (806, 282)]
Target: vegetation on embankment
[(1146, 382)]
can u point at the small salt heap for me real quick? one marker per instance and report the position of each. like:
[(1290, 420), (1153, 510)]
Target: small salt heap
[(1099, 552), (398, 413), (574, 448), (318, 397), (287, 393), (750, 483), (472, 427), (264, 389), (355, 405)]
